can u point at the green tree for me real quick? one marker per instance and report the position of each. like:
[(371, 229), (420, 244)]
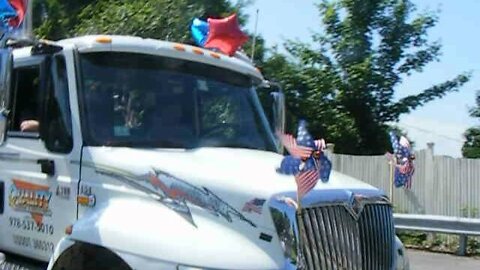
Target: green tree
[(344, 82), (471, 147), (54, 19), (162, 19)]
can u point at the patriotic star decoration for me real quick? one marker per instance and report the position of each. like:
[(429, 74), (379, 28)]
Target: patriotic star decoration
[(225, 35), (402, 158), (307, 160)]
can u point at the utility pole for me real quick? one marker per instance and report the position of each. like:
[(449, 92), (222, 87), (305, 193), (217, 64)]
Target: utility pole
[(254, 36)]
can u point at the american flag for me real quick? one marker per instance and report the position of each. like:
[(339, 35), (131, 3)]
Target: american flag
[(306, 181), (293, 148), (406, 173), (404, 167), (254, 205)]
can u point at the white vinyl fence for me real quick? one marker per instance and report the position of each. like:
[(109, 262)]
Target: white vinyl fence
[(441, 185)]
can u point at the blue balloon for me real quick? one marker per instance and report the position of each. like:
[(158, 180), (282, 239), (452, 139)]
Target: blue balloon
[(199, 30), (6, 12)]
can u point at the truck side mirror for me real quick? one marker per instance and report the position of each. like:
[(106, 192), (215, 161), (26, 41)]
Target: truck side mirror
[(278, 111), (3, 125), (6, 67), (273, 101)]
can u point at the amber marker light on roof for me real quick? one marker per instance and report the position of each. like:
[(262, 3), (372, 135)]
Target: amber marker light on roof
[(197, 51), (215, 55), (103, 39), (179, 47)]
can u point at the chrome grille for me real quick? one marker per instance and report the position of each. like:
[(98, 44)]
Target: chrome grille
[(333, 237)]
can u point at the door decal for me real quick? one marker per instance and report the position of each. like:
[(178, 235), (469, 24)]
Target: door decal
[(31, 198)]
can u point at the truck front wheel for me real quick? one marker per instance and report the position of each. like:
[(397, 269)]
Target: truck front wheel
[(82, 256)]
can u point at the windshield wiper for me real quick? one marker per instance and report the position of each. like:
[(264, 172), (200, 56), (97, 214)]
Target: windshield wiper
[(230, 145), (151, 144)]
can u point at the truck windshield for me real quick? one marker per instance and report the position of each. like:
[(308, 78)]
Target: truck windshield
[(141, 100)]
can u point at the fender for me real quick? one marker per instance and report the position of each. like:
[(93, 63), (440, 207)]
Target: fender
[(78, 255), (149, 229), (60, 248), (401, 257)]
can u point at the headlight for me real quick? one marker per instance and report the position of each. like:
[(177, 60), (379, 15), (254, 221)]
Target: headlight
[(284, 216), (182, 267)]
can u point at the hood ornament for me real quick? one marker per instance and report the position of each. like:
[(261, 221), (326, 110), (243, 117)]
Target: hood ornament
[(355, 205)]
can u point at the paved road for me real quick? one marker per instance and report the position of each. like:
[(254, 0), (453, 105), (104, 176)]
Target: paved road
[(420, 260)]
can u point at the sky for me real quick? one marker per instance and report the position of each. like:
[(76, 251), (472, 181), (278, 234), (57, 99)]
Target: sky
[(442, 121)]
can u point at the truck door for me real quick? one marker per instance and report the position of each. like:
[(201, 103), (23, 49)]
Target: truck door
[(38, 173)]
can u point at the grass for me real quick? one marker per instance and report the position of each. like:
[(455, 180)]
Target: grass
[(438, 242)]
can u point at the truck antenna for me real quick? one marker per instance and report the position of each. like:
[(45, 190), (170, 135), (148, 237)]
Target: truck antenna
[(254, 36), (27, 24)]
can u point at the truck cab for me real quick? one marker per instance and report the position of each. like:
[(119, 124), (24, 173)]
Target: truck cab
[(147, 154)]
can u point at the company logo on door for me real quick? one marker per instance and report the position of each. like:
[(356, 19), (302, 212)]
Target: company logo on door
[(31, 198)]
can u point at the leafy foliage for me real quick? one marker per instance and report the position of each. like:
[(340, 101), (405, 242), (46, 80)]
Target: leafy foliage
[(345, 83), (161, 19), (54, 19), (471, 147)]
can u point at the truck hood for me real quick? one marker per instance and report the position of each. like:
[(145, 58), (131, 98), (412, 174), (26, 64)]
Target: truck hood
[(232, 184)]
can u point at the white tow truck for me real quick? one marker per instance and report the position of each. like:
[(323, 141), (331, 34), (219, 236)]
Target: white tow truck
[(158, 155)]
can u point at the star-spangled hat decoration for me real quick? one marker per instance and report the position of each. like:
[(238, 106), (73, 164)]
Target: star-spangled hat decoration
[(222, 34), (402, 158), (307, 161)]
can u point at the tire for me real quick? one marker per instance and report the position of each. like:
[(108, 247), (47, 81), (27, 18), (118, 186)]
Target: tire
[(83, 256)]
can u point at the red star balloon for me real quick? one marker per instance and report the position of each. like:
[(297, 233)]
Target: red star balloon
[(19, 6), (225, 35)]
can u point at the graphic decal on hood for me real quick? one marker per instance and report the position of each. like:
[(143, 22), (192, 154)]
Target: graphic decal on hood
[(254, 205), (180, 192), (175, 193)]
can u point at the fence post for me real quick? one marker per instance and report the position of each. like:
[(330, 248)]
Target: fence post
[(330, 148), (462, 245)]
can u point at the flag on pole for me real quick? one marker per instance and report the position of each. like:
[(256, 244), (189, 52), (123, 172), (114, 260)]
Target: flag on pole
[(402, 159), (308, 177)]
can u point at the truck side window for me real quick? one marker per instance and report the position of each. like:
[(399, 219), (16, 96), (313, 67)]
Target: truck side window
[(58, 115), (25, 105)]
